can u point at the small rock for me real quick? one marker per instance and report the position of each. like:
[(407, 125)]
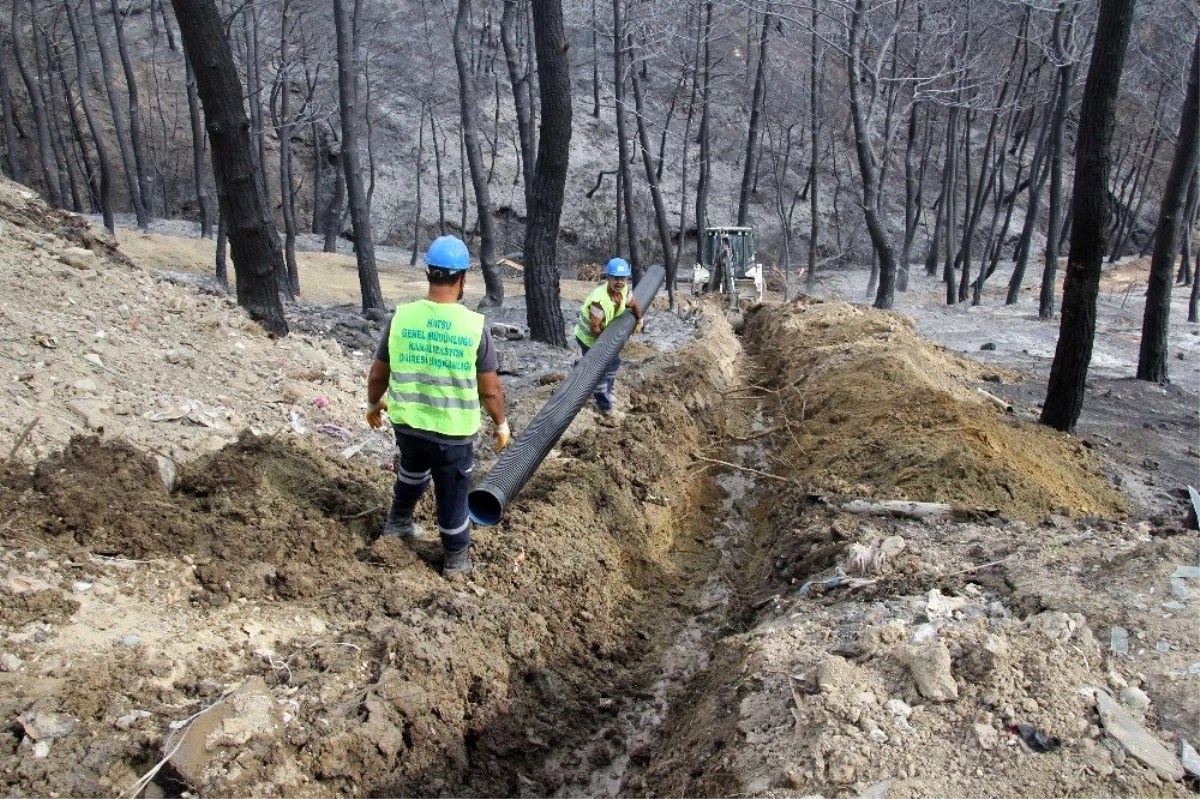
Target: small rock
[(1179, 588), (130, 719), (1119, 640), (898, 707), (930, 668), (84, 385), (987, 736), (1191, 760), (131, 640), (182, 355), (78, 257), (988, 347), (81, 586), (10, 662), (1163, 646), (1135, 699), (93, 358), (877, 736), (507, 332), (41, 750), (506, 364), (167, 472), (550, 378)]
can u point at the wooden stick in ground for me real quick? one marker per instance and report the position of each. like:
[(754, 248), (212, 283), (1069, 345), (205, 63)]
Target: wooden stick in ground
[(744, 469), (25, 431), (1000, 403)]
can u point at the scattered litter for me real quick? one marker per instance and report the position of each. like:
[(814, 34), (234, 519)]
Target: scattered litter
[(351, 451), (1186, 573), (863, 559), (877, 791), (835, 582), (1034, 739), (1139, 743), (321, 401), (1119, 641), (130, 719), (81, 586), (299, 424), (1193, 518), (344, 433), (189, 410), (1163, 646), (131, 640)]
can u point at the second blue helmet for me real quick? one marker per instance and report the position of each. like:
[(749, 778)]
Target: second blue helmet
[(618, 267)]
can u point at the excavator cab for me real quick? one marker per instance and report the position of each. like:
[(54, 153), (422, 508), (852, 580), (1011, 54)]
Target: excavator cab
[(739, 246)]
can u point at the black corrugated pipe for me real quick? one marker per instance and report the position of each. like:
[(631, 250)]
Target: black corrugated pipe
[(487, 501)]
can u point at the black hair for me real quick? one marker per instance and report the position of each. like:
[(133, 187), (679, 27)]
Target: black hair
[(443, 277)]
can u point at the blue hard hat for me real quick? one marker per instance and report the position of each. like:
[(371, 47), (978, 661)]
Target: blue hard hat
[(618, 267), (448, 252)]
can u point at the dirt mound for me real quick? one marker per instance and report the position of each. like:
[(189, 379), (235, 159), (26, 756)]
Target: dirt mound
[(870, 408)]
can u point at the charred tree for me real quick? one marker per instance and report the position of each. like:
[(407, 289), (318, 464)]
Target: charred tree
[(544, 314), (199, 176), (493, 287), (756, 105), (40, 122), (252, 234), (360, 214), (1064, 23), (136, 139), (1097, 117), (106, 203), (1152, 357)]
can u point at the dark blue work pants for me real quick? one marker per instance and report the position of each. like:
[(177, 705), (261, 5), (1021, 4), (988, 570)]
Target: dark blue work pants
[(449, 466), (604, 388)]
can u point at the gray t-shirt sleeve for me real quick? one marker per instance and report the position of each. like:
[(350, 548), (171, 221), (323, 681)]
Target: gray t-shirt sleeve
[(381, 351), (485, 360)]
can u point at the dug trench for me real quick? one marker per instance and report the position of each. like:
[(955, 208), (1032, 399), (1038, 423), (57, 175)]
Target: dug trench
[(679, 606)]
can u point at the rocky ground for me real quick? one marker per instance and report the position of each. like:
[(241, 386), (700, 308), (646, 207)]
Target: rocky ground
[(703, 601)]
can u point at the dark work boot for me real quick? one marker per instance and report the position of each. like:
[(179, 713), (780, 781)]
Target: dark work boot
[(402, 528), (457, 563)]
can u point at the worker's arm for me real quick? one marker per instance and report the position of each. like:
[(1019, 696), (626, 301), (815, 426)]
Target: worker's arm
[(634, 308), (595, 317), (377, 381), (491, 397)]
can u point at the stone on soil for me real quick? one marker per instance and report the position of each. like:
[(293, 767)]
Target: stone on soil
[(930, 667), (1134, 738)]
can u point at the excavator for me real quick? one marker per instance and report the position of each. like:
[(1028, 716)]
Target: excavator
[(728, 265)]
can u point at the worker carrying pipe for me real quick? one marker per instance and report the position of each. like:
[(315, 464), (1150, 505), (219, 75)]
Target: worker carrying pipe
[(434, 369), (486, 502), (604, 304)]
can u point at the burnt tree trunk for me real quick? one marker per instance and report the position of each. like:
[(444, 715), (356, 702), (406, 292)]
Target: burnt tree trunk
[(136, 140), (1066, 77), (360, 214), (252, 234), (11, 159), (196, 119), (120, 131), (660, 210), (40, 122), (522, 90), (756, 104), (623, 159), (1097, 118), (544, 314), (493, 287), (105, 166), (1152, 357)]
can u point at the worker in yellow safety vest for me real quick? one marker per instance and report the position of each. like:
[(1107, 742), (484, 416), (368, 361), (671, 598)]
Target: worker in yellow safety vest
[(434, 368), (603, 305)]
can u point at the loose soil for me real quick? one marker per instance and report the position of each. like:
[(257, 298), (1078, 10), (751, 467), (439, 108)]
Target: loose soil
[(194, 597)]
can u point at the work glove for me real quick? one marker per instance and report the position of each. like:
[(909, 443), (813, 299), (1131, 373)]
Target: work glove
[(638, 327), (375, 413), (503, 436)]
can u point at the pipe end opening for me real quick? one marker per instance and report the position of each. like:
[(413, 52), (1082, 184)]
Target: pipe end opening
[(484, 506)]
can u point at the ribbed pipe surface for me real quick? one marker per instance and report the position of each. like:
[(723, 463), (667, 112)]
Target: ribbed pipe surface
[(487, 501)]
